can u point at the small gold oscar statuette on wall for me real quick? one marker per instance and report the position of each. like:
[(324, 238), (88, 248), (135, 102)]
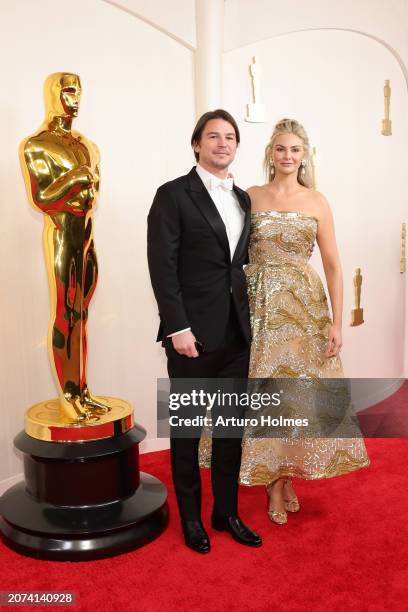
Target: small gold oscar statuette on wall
[(255, 110), (386, 124), (403, 261), (357, 312)]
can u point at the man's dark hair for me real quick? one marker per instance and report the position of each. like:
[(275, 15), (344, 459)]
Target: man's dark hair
[(219, 113)]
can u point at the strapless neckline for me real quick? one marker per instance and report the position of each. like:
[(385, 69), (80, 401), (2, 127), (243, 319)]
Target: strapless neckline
[(294, 213)]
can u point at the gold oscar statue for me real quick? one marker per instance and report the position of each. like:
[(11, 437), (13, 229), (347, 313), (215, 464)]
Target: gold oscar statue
[(61, 172), (83, 495), (403, 260), (386, 124), (357, 312)]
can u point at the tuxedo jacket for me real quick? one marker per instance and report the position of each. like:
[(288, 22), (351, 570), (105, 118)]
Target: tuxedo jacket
[(194, 280)]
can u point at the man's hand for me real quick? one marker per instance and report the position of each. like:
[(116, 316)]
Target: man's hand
[(184, 344)]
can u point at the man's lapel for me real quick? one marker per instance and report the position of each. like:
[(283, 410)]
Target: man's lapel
[(203, 201), (243, 200)]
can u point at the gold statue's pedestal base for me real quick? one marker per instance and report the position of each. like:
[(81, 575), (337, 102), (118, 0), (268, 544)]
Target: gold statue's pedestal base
[(83, 495), (45, 421), (386, 128), (255, 113), (357, 317)]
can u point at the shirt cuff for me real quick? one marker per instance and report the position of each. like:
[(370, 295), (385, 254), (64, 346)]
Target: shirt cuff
[(179, 332)]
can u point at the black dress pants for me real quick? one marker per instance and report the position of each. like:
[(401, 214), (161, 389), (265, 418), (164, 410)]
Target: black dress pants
[(230, 360)]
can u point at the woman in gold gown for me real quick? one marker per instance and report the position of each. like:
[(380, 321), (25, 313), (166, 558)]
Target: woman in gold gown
[(293, 334)]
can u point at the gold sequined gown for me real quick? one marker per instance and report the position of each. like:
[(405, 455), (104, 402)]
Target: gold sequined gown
[(290, 322)]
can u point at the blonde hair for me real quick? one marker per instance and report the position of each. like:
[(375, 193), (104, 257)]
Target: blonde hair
[(290, 126)]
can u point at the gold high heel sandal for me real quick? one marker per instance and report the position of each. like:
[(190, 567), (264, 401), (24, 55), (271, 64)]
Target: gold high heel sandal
[(291, 505), (280, 518)]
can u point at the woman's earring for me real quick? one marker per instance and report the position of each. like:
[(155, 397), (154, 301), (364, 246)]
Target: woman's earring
[(271, 164), (303, 166)]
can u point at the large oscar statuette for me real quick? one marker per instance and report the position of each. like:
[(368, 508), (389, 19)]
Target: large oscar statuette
[(83, 495)]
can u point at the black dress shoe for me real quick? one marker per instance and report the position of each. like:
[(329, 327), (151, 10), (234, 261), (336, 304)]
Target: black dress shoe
[(240, 532), (195, 536)]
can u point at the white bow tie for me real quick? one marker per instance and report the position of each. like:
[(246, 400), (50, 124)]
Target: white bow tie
[(214, 183)]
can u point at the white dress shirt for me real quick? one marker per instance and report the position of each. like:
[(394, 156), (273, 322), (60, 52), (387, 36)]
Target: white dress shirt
[(228, 207)]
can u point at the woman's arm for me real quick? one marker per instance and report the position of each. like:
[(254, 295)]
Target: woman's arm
[(326, 240)]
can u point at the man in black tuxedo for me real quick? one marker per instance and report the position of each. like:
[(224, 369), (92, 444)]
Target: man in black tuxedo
[(198, 232)]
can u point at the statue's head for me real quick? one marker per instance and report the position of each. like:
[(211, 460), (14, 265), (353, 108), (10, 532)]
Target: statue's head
[(62, 91)]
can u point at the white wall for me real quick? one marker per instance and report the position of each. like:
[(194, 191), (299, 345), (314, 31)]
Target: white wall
[(332, 81), (176, 17), (137, 105), (247, 22)]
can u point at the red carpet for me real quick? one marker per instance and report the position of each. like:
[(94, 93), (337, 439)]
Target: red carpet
[(387, 419), (346, 550)]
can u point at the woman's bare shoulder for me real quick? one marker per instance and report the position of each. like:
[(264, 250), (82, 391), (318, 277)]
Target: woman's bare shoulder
[(256, 189), (318, 196), (257, 195), (318, 203)]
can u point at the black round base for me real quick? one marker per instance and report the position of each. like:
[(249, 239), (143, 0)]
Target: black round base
[(82, 501), (61, 533)]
